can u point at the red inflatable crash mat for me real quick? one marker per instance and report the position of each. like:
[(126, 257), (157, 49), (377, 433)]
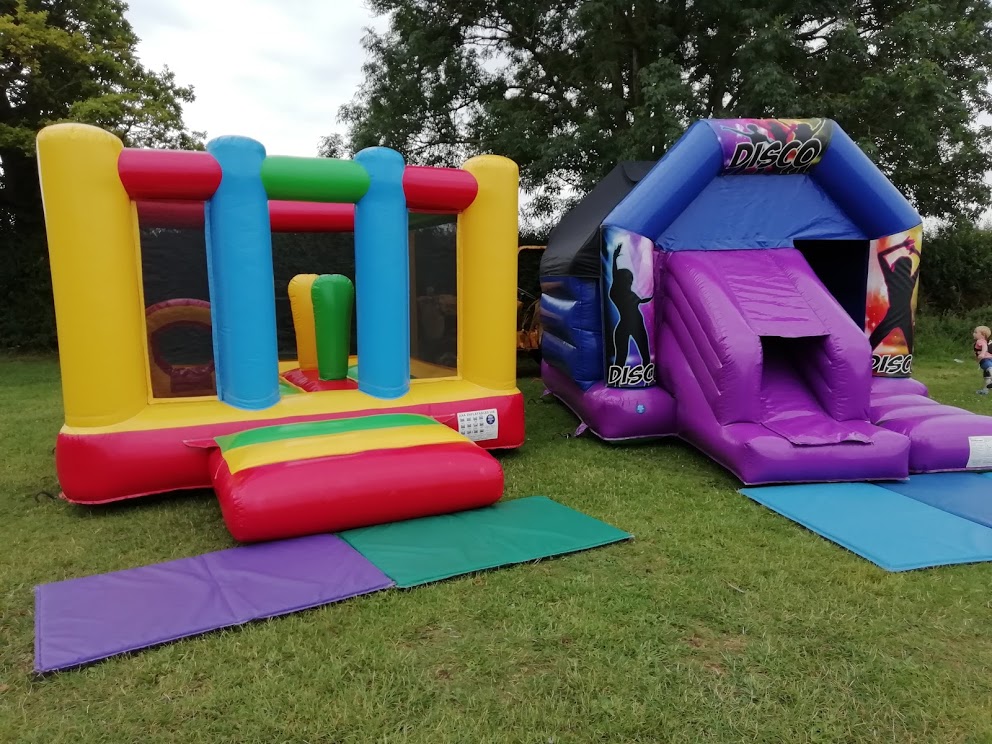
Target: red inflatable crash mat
[(299, 479)]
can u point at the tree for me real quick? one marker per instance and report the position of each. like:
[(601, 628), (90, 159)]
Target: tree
[(332, 146), (567, 89), (75, 60), (958, 264), (66, 60)]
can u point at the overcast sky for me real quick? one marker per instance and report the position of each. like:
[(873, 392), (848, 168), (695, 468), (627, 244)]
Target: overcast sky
[(274, 70)]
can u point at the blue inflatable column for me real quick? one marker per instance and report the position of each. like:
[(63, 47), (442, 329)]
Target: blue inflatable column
[(242, 288), (382, 277)]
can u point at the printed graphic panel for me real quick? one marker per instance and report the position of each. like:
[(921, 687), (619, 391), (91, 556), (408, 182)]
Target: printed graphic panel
[(628, 312), (893, 286), (771, 146)]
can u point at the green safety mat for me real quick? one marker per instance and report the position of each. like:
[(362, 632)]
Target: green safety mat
[(419, 551)]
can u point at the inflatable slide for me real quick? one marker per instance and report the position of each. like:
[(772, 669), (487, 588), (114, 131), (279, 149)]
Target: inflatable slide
[(754, 293)]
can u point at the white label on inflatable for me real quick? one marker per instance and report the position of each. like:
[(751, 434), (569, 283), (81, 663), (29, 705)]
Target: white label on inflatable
[(979, 452), (481, 425)]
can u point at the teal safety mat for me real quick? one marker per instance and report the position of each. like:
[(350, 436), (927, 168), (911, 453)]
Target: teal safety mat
[(420, 551), (966, 495), (881, 523)]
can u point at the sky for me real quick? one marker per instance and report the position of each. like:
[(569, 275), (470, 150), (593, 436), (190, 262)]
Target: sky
[(274, 70)]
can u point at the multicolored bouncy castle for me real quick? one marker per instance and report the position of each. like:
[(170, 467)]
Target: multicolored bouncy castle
[(318, 443), (753, 292)]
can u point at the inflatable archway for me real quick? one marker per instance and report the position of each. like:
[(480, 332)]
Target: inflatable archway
[(177, 380)]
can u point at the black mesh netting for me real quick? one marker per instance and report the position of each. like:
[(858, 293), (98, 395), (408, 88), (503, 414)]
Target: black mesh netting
[(174, 266)]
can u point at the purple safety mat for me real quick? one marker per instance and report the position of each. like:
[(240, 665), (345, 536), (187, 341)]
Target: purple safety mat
[(79, 621)]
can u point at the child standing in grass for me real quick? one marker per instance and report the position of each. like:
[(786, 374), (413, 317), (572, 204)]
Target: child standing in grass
[(983, 356)]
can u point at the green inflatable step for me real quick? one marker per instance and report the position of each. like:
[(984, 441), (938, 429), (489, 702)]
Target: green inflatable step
[(420, 551)]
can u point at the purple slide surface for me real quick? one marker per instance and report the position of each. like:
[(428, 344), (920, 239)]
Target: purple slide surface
[(772, 378)]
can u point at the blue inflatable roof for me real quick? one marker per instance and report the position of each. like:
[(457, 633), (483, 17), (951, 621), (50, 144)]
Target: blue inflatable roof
[(763, 183)]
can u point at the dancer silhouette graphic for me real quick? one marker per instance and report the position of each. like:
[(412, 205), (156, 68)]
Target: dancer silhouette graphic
[(900, 283), (630, 326), (752, 132)]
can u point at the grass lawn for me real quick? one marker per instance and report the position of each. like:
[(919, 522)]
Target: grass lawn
[(721, 622)]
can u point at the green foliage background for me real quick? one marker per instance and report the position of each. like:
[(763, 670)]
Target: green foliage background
[(71, 60), (956, 277), (566, 89)]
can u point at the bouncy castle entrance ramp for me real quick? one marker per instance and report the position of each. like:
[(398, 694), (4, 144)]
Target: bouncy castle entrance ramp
[(772, 376)]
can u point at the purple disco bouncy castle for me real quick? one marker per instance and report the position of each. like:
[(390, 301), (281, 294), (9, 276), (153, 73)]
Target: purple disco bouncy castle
[(752, 292)]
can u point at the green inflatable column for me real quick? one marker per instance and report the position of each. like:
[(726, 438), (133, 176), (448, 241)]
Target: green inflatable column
[(333, 300)]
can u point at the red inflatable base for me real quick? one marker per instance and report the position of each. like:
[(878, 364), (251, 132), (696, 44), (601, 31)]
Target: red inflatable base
[(329, 494), (310, 381), (102, 468)]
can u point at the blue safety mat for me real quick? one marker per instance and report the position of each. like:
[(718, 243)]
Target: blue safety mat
[(892, 531), (967, 495)]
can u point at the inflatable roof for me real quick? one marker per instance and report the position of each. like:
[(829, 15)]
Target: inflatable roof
[(714, 190), (573, 246)]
